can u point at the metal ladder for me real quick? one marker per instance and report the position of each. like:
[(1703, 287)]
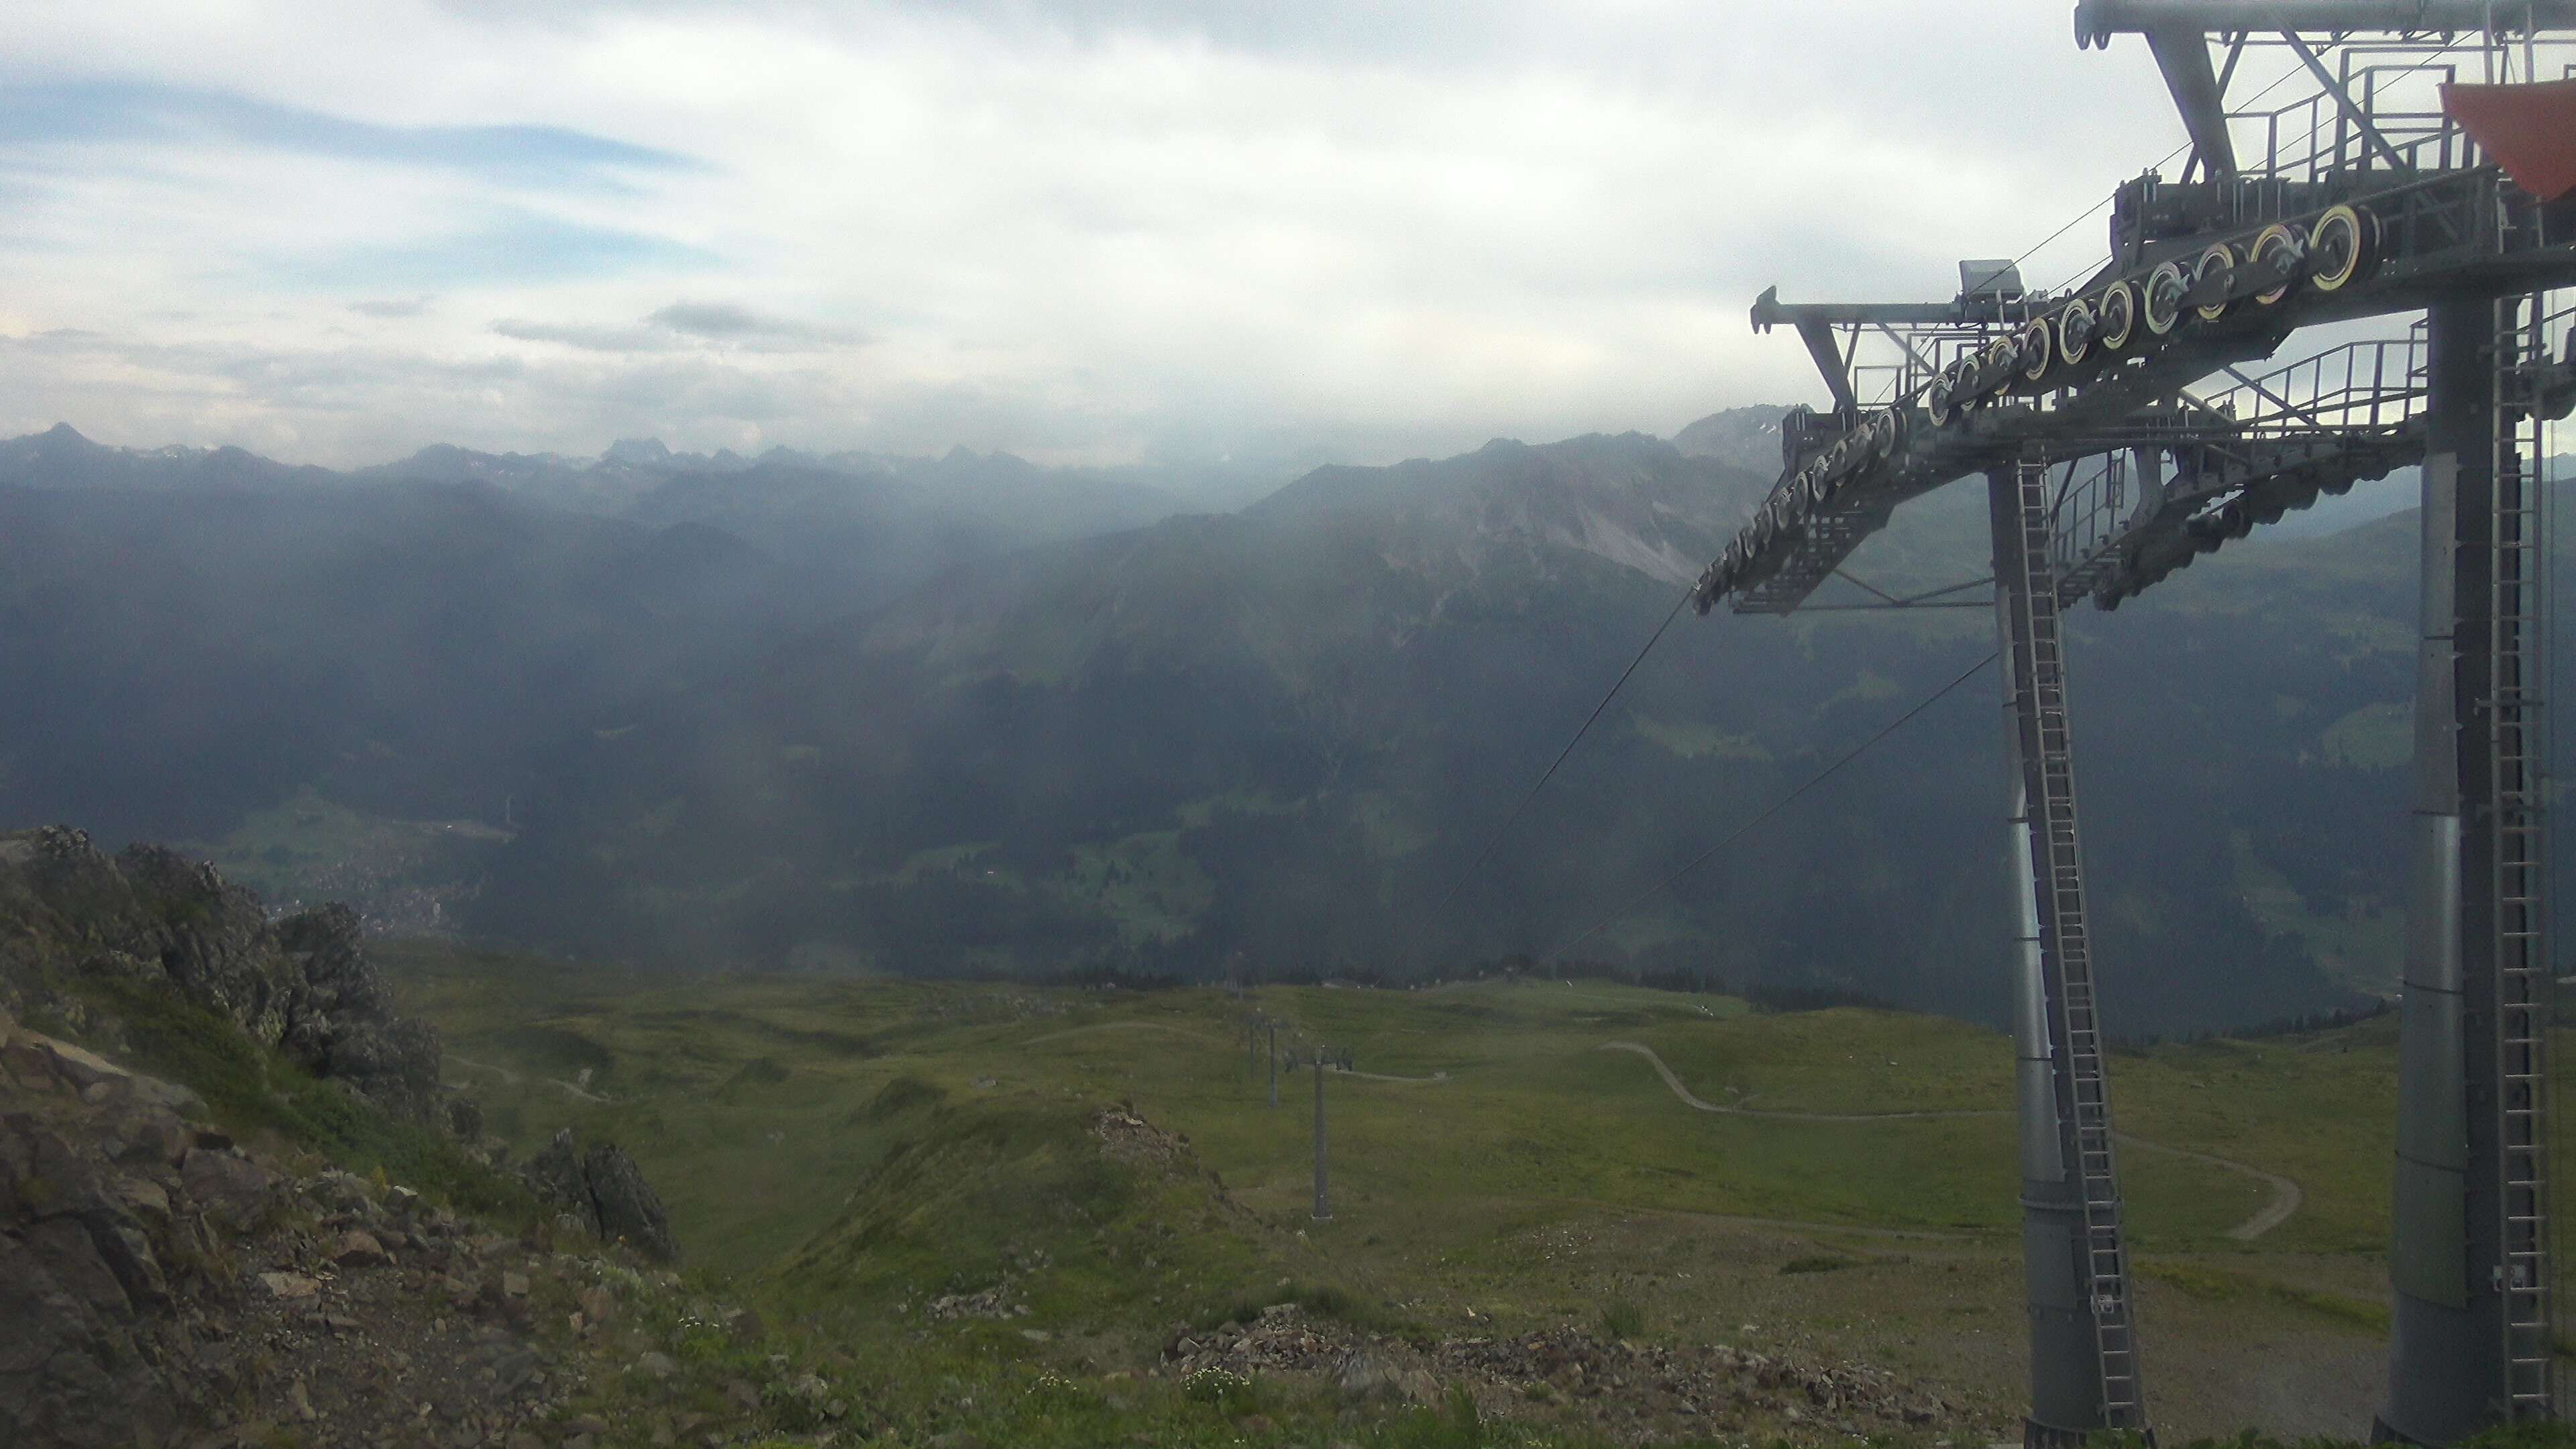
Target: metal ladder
[(2074, 1023), (2517, 756)]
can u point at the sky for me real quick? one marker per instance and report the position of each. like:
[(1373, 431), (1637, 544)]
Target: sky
[(1129, 231)]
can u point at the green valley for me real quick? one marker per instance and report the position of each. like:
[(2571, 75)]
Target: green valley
[(1506, 1158)]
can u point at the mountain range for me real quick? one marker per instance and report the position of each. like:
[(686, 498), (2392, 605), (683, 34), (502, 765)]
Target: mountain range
[(849, 713)]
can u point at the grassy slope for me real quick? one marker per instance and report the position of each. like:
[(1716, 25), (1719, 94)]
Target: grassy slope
[(1540, 1178)]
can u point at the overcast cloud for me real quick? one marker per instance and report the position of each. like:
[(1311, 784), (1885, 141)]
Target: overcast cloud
[(1105, 232)]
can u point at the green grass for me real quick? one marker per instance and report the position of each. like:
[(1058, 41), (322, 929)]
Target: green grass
[(849, 1149), (252, 1091)]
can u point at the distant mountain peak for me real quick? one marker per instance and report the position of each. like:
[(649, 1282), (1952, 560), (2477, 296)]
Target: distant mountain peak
[(637, 452), (1748, 437), (61, 433)]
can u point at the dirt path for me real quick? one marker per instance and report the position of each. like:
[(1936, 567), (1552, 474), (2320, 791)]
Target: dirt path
[(1684, 1093), (2286, 1197), (511, 1077), (1109, 1026), (1383, 1077)]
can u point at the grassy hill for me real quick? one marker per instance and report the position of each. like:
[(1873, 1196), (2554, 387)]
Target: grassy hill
[(857, 1150)]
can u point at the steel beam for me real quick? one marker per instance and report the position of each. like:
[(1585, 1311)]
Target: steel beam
[(2183, 56), (2096, 21), (1323, 1197)]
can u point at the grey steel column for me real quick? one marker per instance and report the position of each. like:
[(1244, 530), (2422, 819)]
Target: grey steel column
[(2446, 1355), (1323, 1202), (2065, 1361)]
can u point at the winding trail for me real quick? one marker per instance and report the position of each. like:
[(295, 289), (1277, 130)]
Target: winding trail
[(2286, 1197), (1099, 1026), (1684, 1093), (1383, 1077), (511, 1077)]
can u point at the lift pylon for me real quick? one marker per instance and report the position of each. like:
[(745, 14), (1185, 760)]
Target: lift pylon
[(2419, 170), (2084, 1362)]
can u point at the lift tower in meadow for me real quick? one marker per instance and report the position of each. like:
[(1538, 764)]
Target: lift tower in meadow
[(2422, 164)]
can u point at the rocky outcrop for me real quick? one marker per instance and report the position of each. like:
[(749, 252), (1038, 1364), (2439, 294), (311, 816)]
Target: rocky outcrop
[(87, 1221), (161, 1286), (605, 1192), (341, 1024), (154, 917), (1632, 1392)]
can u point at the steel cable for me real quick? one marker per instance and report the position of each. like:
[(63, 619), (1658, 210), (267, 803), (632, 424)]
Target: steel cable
[(1774, 808), (1496, 838)]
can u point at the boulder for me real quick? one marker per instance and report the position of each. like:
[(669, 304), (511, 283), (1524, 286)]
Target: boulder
[(67, 1254), (357, 1249), (234, 1191), (1369, 1375), (68, 1376), (605, 1192), (40, 1173)]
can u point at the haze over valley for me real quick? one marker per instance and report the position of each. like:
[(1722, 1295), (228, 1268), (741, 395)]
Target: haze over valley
[(904, 725), (966, 715)]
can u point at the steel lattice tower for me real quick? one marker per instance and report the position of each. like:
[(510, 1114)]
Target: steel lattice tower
[(2420, 172)]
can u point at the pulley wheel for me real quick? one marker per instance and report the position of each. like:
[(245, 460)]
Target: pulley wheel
[(2161, 307), (2272, 244), (2075, 328), (2115, 317), (1936, 401), (2341, 247), (2038, 350), (2218, 261)]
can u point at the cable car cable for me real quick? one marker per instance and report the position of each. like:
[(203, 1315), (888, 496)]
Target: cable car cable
[(1774, 808), (1527, 796)]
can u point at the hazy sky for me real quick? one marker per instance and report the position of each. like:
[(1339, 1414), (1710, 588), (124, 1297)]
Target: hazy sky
[(1151, 230)]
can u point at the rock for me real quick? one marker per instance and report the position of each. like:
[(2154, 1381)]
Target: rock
[(464, 1119), (359, 1249), (28, 1066), (1370, 1375), (659, 1366), (128, 1254), (99, 1080), (342, 1023), (82, 1069), (514, 1284), (40, 1173), (606, 1192), (152, 1138), (64, 1250), (68, 1377), (154, 919), (290, 1287), (140, 1198), (598, 1305), (234, 1191)]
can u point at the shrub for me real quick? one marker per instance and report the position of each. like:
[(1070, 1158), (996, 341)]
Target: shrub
[(1623, 1318)]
